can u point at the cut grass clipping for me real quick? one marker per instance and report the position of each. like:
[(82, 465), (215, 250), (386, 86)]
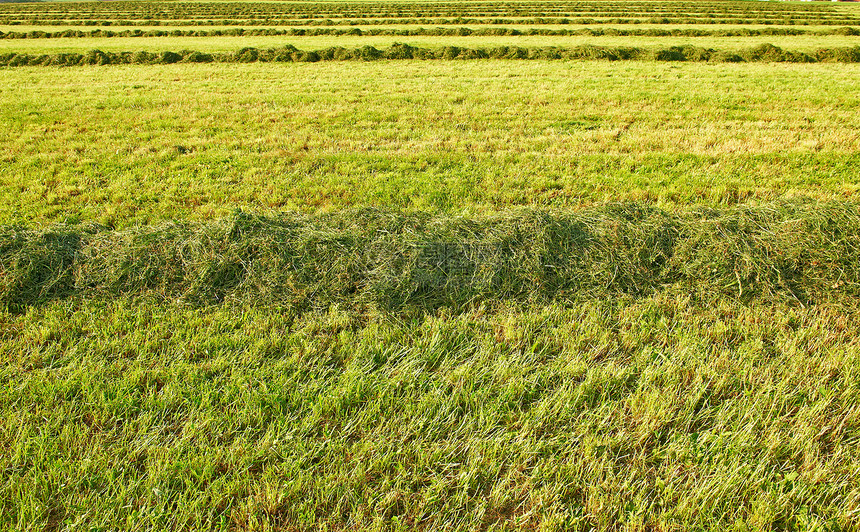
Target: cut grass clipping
[(801, 253), (288, 54)]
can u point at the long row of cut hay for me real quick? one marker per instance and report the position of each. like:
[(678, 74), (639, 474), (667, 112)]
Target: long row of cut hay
[(435, 32), (803, 253), (394, 19), (288, 54)]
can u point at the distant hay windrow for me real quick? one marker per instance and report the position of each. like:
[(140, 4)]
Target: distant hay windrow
[(802, 253), (398, 51), (462, 31)]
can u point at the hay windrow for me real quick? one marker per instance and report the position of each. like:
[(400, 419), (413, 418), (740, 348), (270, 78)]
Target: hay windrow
[(766, 53), (802, 253), (461, 31)]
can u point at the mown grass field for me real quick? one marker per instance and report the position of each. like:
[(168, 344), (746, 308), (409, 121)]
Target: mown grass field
[(805, 43), (379, 292), (325, 13), (196, 141)]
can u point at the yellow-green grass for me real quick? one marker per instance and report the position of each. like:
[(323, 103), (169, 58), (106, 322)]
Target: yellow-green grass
[(24, 28), (147, 13), (803, 43), (130, 144), (624, 13), (216, 9), (667, 364), (629, 22), (635, 416)]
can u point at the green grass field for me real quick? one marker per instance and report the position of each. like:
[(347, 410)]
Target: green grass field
[(806, 43), (129, 144), (404, 294), (628, 415)]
